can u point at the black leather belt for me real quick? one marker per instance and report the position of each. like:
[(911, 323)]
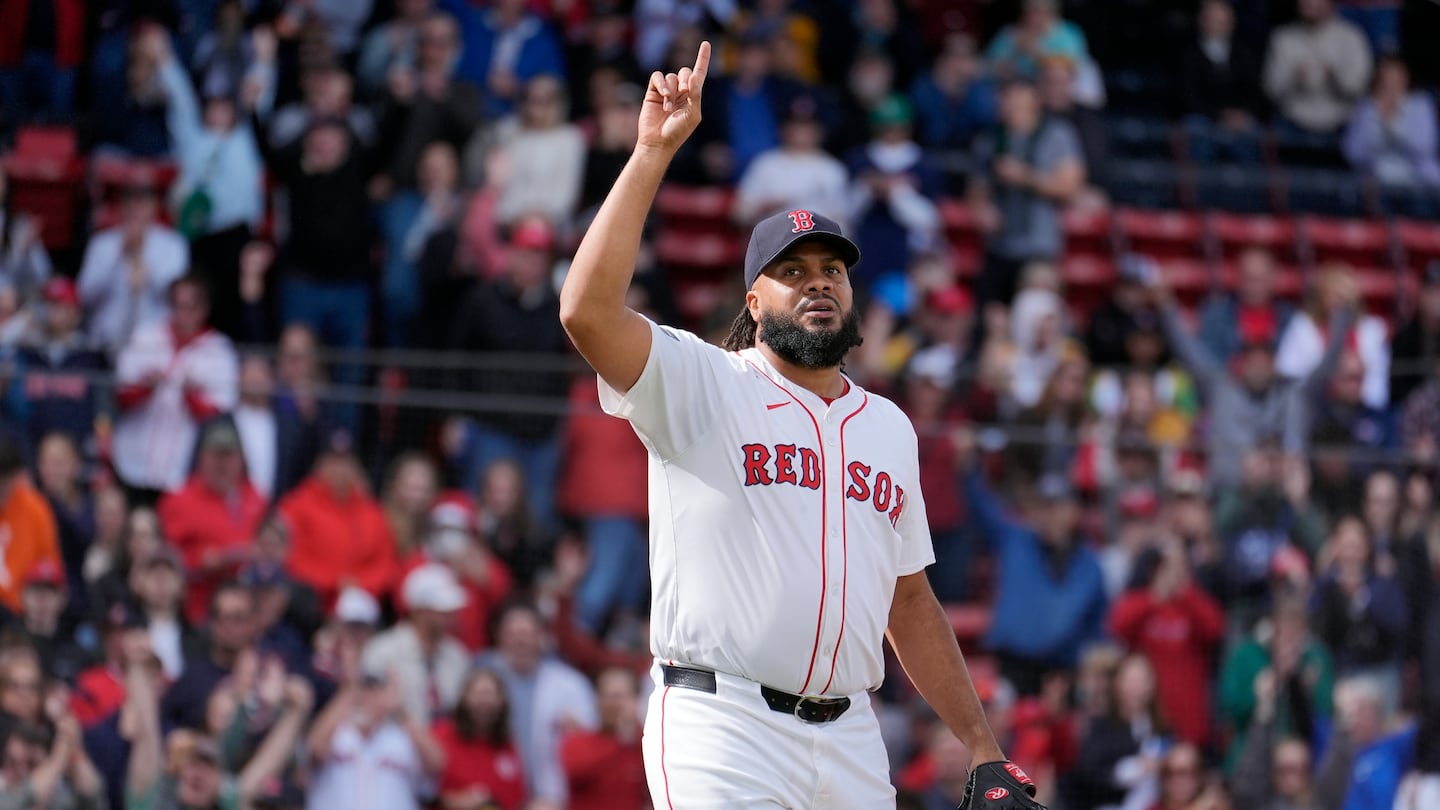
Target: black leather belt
[(806, 709)]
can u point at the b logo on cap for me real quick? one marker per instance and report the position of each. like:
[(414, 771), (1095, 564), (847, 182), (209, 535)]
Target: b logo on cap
[(803, 221)]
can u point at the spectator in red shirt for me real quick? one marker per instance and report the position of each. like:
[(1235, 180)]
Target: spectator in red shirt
[(212, 519), (100, 690), (1178, 627), (482, 767), (452, 539), (602, 483), (338, 531), (605, 768)]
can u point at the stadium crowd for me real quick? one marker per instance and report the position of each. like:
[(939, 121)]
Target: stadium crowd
[(1192, 546)]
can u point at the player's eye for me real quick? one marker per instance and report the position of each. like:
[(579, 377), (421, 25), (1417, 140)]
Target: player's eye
[(792, 271), (833, 269)]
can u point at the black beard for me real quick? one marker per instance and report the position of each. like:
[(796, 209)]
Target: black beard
[(809, 348)]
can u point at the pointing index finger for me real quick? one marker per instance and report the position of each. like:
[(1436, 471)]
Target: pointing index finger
[(702, 67)]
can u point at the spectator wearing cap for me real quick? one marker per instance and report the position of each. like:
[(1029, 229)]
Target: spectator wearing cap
[(27, 522), (797, 173), (1391, 137), (1178, 627), (171, 377), (1252, 312), (602, 474), (61, 369), (127, 271), (220, 192), (99, 690), (891, 199), (43, 623), (338, 532), (1019, 48), (955, 100), (23, 260), (277, 445), (518, 312), (277, 635), (1113, 321), (428, 665), (1050, 591), (605, 767), (546, 696), (1246, 399), (1028, 170), (1316, 68), (1416, 344), (212, 518), (451, 539), (339, 643), (157, 581), (1220, 89), (187, 768), (366, 750), (505, 47)]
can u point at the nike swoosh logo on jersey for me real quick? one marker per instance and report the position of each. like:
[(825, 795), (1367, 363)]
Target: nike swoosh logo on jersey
[(776, 405)]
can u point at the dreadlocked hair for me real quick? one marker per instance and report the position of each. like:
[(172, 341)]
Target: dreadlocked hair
[(742, 332)]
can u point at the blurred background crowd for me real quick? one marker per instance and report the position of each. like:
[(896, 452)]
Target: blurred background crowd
[(305, 500)]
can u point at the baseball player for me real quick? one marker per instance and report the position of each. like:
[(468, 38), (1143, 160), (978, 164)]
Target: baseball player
[(788, 535)]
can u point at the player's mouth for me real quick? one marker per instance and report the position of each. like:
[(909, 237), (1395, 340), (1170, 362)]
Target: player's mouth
[(821, 309)]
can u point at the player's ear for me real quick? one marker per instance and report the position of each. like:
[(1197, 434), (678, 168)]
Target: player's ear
[(752, 303)]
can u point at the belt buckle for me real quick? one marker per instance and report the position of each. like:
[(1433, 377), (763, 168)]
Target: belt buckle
[(812, 701)]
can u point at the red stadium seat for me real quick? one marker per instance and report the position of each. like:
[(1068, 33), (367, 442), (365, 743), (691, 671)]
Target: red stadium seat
[(1162, 234), (1088, 231), (1353, 241), (1087, 271), (1379, 287), (1190, 279), (698, 251), (700, 208), (1235, 232), (1420, 241), (1289, 281), (45, 174), (971, 621)]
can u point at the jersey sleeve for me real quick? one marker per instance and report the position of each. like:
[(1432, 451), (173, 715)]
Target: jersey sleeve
[(917, 552), (678, 395)]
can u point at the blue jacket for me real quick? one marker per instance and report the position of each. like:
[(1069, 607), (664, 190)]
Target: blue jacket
[(1037, 617), (1377, 769), (540, 51)]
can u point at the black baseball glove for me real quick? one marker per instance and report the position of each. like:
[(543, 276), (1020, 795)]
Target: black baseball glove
[(999, 786)]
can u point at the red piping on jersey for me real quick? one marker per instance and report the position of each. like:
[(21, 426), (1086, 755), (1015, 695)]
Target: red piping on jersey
[(824, 494), (844, 548), (663, 775)]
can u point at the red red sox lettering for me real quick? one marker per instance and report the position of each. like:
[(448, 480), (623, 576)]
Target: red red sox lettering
[(800, 466)]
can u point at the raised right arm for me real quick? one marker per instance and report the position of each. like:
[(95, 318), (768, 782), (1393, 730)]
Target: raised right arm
[(614, 339)]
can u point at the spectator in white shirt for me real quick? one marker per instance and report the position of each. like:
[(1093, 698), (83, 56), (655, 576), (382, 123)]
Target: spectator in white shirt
[(797, 174), (545, 155), (1392, 135), (1303, 344), (279, 446), (546, 696), (369, 753), (1317, 68), (170, 377), (428, 664), (128, 270)]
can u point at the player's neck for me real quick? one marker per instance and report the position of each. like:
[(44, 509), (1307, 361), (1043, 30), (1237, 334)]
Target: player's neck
[(825, 383)]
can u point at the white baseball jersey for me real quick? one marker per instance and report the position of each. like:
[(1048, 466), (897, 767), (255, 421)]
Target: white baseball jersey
[(778, 523)]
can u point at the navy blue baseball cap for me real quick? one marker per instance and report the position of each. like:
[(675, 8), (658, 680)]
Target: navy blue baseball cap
[(779, 232)]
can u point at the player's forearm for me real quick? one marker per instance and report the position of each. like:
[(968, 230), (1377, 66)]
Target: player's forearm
[(925, 643), (595, 287)]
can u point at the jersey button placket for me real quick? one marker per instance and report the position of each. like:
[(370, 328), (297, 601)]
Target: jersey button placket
[(834, 550)]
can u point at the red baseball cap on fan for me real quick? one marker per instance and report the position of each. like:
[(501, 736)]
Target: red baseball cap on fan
[(60, 291), (533, 234)]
